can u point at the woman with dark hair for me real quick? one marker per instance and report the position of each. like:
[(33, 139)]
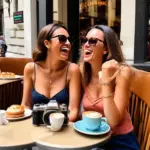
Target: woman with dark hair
[(106, 82), (51, 76)]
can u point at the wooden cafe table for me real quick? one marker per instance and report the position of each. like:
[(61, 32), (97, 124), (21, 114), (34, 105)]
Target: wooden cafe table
[(22, 134)]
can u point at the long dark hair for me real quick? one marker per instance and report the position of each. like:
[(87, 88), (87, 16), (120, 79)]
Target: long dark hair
[(112, 45), (40, 53)]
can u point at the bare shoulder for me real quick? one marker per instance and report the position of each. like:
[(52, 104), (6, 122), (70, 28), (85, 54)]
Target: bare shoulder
[(73, 68), (29, 68), (126, 71)]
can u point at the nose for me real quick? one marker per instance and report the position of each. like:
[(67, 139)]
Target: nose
[(67, 42), (86, 44)]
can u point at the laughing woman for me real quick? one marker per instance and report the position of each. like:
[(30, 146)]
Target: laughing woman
[(107, 80), (51, 76)]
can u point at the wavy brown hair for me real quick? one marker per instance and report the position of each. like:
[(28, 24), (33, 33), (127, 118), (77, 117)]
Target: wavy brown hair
[(40, 53), (112, 45)]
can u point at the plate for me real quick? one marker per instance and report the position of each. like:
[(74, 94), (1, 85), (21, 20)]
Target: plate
[(27, 113), (11, 78), (79, 126)]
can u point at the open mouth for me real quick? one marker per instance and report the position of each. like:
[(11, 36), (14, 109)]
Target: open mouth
[(65, 51), (87, 52)]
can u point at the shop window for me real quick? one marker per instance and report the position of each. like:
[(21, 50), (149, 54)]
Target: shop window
[(100, 12)]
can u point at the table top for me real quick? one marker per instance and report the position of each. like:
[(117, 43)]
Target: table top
[(2, 82), (5, 81), (23, 133)]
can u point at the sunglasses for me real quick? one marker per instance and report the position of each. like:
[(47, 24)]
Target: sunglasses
[(62, 38), (91, 41)]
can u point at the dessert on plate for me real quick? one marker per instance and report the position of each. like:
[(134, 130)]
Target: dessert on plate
[(7, 75), (15, 111)]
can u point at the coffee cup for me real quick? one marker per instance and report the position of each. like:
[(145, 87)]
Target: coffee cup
[(56, 121), (92, 120), (3, 119)]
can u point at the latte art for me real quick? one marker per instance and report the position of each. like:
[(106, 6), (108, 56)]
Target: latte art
[(92, 114), (56, 115)]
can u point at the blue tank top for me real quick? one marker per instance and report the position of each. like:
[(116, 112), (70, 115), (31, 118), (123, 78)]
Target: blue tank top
[(60, 97)]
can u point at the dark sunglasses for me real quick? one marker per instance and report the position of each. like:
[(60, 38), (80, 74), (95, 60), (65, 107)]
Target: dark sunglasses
[(91, 41), (62, 38)]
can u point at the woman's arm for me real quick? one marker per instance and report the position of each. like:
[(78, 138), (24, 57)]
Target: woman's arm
[(74, 92), (115, 106), (28, 85)]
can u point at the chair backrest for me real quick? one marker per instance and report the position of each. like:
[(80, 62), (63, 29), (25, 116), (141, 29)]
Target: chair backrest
[(15, 65), (148, 143), (139, 107)]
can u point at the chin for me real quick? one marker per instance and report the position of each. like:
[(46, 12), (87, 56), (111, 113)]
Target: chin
[(87, 59), (65, 58)]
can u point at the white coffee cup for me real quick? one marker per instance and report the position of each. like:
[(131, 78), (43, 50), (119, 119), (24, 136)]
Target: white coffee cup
[(2, 117), (56, 121)]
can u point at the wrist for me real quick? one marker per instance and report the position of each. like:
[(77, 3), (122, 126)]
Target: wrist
[(108, 95)]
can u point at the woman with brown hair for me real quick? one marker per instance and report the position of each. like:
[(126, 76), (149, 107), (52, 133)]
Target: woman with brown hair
[(51, 76), (106, 82)]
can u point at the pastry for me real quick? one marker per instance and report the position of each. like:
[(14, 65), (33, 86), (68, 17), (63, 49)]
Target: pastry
[(7, 75), (15, 111)]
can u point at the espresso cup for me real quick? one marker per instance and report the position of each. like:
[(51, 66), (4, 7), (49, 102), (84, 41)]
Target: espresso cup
[(56, 121), (92, 120)]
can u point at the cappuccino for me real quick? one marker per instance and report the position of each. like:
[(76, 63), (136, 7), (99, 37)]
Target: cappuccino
[(92, 114), (56, 120), (57, 115)]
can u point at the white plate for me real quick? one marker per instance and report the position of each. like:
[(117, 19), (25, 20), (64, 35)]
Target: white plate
[(11, 78), (27, 113)]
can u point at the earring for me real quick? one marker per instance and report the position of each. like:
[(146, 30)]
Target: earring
[(105, 52)]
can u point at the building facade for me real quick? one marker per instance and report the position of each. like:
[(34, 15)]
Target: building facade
[(122, 15)]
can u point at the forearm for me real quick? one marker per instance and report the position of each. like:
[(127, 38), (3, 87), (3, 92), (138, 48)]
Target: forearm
[(111, 112), (73, 114), (26, 102), (110, 109), (26, 105)]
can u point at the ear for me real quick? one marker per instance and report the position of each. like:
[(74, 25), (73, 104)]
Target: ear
[(47, 44), (105, 52)]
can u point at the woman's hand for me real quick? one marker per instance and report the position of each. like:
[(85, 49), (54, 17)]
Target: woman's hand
[(109, 71)]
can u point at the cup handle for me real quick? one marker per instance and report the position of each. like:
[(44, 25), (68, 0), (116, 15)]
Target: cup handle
[(104, 119)]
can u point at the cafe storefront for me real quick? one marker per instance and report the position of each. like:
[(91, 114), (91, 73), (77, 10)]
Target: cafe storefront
[(129, 19), (80, 15)]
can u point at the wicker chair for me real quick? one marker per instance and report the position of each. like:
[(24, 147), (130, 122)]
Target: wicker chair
[(139, 107)]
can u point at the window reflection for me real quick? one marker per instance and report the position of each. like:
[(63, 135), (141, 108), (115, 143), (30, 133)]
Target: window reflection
[(100, 12)]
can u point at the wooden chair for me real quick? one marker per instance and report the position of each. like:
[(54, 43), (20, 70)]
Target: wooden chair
[(139, 107), (148, 143)]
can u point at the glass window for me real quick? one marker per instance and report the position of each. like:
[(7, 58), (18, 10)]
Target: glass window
[(100, 12), (60, 11)]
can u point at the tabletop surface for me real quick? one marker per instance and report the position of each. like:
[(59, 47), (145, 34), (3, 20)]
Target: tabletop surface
[(8, 81), (23, 133)]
